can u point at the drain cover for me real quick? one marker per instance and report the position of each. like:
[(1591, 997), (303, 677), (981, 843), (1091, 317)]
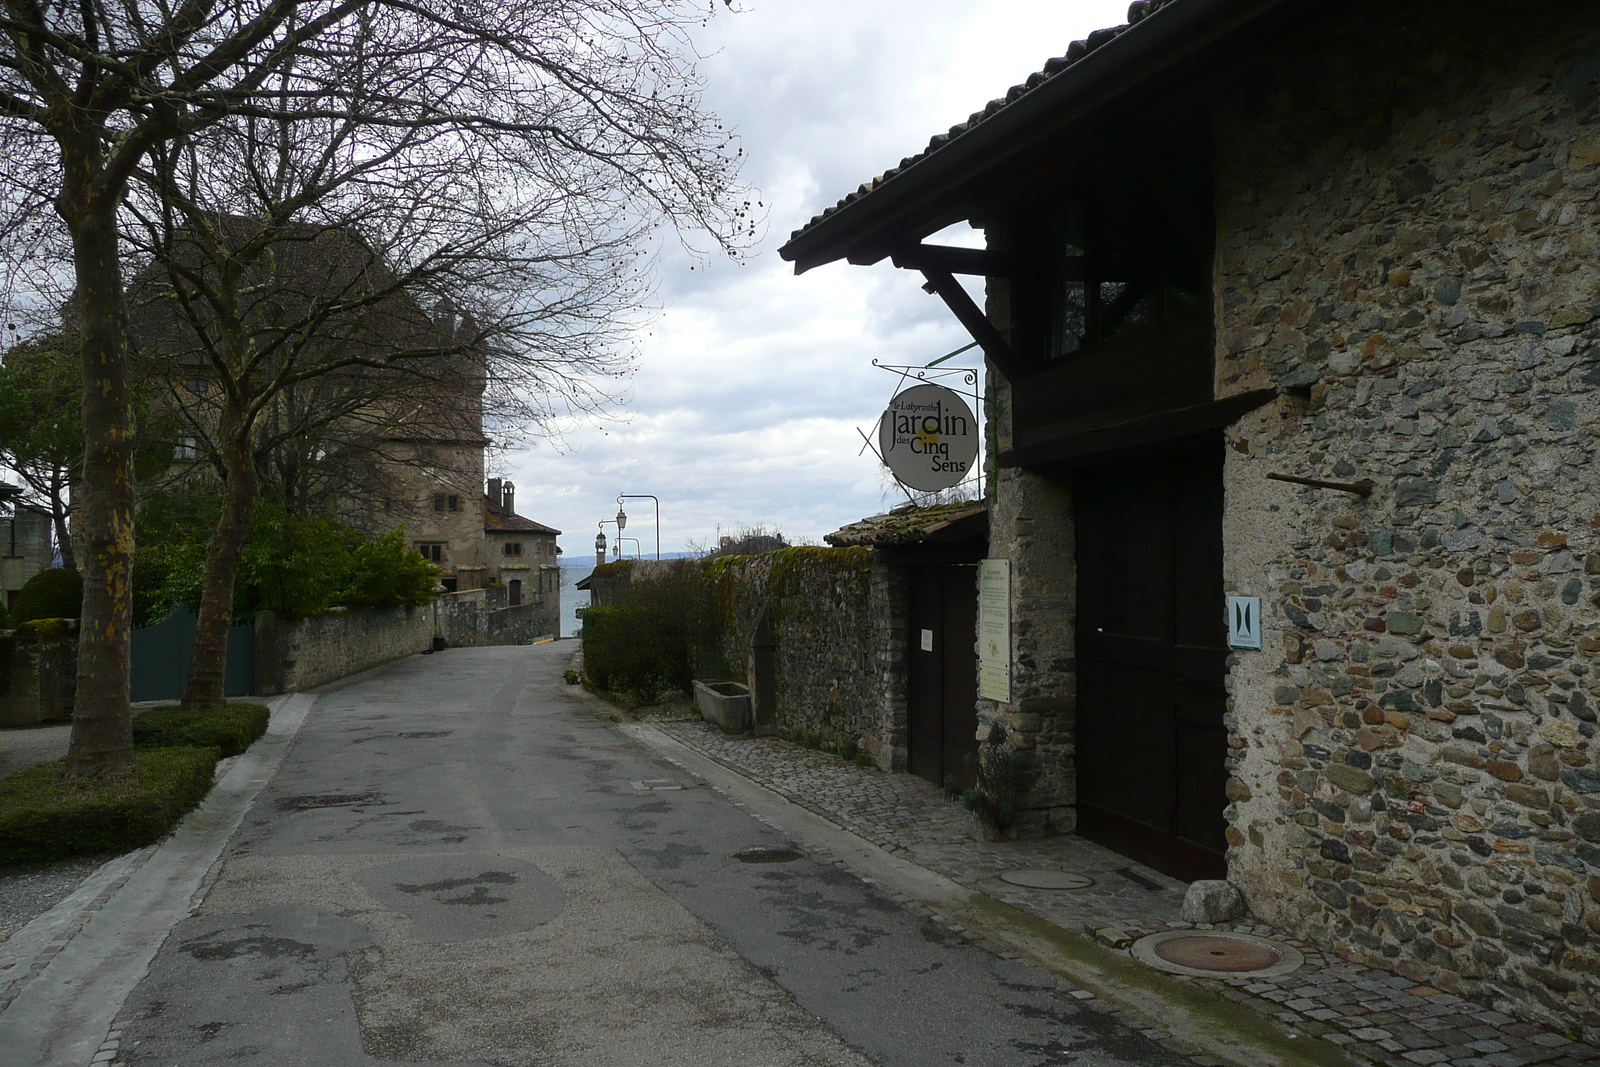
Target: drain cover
[(1217, 954), (1044, 879), (768, 854), (1205, 954)]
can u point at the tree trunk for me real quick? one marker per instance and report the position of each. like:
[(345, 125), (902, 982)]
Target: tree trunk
[(59, 510), (209, 659), (102, 733)]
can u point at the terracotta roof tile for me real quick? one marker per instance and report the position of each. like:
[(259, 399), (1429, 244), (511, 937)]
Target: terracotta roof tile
[(497, 519), (908, 525)]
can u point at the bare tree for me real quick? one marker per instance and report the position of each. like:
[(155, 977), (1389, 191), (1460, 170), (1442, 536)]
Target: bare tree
[(90, 93)]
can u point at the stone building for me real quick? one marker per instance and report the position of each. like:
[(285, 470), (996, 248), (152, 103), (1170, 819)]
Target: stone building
[(26, 547), (1240, 242), (520, 553), (386, 429)]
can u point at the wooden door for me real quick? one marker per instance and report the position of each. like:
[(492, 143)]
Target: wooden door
[(1152, 641), (942, 682)]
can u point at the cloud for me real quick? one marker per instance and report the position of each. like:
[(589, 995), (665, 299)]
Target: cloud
[(752, 382)]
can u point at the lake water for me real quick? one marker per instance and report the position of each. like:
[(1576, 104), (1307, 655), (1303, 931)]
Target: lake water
[(572, 598)]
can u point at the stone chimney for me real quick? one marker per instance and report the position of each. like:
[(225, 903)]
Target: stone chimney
[(509, 499), (494, 492)]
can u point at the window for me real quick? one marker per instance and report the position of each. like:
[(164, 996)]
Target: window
[(186, 448), (512, 548), (1119, 265), (446, 502), (433, 552)]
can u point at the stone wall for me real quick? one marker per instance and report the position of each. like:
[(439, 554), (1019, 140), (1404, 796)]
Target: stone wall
[(836, 627), (296, 655), (305, 653), (38, 672), (481, 617), (608, 582), (820, 632), (1407, 236)]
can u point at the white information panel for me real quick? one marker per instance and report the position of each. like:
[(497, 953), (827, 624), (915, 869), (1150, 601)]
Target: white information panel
[(994, 630)]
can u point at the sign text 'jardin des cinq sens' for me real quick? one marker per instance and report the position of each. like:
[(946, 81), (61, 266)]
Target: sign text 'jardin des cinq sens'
[(928, 437)]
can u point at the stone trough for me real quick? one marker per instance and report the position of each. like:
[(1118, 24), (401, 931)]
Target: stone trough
[(725, 703)]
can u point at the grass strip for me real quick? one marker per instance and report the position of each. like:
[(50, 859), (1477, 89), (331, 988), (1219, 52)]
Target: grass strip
[(44, 817)]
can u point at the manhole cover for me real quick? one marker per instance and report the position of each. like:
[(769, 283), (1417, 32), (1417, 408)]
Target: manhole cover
[(768, 854), (1043, 879), (1216, 953)]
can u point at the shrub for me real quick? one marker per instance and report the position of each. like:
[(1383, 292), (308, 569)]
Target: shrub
[(293, 566), (386, 572), (622, 646), (229, 729), (44, 817), (1001, 781), (53, 594)]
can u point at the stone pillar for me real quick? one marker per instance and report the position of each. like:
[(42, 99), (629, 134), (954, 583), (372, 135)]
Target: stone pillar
[(1031, 524), (269, 656)]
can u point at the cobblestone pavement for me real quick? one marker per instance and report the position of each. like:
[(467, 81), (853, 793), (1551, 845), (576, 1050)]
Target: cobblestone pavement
[(1381, 1016)]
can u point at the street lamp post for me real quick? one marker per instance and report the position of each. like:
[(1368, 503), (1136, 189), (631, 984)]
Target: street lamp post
[(622, 518), (600, 542), (635, 540)]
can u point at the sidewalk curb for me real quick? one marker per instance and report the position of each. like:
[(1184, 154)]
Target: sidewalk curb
[(84, 956), (1205, 1021)]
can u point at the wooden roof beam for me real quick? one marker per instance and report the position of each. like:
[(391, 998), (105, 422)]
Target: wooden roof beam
[(952, 260), (944, 284)]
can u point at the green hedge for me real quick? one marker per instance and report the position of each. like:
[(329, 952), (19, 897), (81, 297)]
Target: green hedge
[(53, 594), (229, 729), (632, 648), (43, 817)]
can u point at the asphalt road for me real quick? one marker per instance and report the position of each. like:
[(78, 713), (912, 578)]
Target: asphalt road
[(459, 863)]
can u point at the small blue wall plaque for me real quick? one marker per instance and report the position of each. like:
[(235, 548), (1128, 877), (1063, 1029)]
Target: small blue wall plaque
[(1244, 622)]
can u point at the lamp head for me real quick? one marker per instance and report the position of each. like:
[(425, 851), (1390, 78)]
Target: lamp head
[(622, 518)]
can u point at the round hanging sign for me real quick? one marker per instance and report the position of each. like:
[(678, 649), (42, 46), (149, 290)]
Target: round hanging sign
[(928, 437)]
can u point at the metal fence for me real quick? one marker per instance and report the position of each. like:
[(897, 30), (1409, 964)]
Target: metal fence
[(160, 656)]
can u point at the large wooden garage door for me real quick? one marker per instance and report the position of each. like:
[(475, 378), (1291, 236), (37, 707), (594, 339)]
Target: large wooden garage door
[(942, 690), (1151, 647)]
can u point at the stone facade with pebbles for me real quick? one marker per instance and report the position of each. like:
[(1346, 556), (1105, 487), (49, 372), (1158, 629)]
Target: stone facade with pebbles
[(1398, 206), (1407, 239)]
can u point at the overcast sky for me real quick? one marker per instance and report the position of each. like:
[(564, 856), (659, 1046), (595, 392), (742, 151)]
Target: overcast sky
[(752, 382)]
